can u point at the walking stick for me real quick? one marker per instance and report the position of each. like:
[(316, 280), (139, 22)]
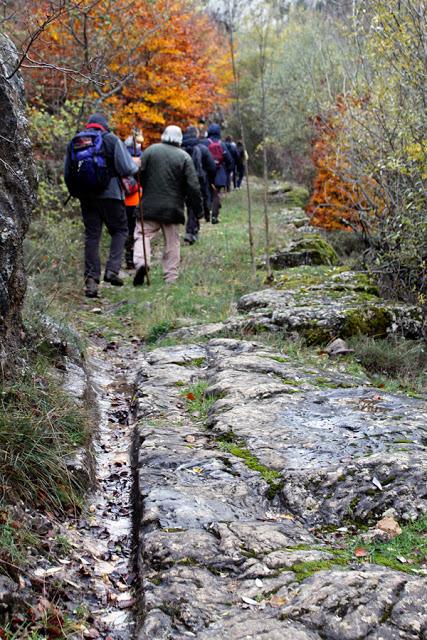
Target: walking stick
[(141, 214)]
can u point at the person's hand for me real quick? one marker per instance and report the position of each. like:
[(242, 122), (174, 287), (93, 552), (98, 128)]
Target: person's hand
[(137, 160)]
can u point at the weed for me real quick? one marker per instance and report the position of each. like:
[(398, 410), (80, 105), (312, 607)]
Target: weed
[(411, 545), (197, 400), (39, 427), (393, 363)]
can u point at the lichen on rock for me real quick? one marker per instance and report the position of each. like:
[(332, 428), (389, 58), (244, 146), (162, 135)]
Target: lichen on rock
[(17, 196)]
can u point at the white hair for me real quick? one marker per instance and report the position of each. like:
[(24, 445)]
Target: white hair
[(172, 134)]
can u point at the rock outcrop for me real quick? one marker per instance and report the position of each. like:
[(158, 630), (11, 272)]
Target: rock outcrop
[(17, 194), (320, 303), (244, 460)]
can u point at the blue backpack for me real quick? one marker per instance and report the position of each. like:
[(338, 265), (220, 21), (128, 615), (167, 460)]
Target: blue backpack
[(89, 171)]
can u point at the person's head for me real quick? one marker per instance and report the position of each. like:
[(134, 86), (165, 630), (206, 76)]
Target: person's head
[(192, 132), (100, 120), (214, 130), (229, 139), (172, 135), (133, 146)]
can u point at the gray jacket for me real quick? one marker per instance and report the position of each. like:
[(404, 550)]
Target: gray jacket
[(120, 162)]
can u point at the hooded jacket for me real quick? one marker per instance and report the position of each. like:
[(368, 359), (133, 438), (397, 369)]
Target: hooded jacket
[(208, 166), (118, 159), (214, 134), (168, 178)]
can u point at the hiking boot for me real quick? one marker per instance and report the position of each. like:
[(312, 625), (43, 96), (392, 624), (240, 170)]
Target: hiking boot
[(215, 220), (140, 274), (113, 279), (91, 290)]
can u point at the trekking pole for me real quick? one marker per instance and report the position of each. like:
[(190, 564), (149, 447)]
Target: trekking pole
[(141, 215)]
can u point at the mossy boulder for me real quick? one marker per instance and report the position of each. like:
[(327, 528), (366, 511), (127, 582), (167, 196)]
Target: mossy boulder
[(325, 302), (311, 249)]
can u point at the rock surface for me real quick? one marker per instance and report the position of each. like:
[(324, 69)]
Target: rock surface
[(309, 249), (17, 193), (242, 457)]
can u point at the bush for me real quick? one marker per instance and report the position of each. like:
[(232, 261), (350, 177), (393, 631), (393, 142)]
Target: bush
[(404, 360)]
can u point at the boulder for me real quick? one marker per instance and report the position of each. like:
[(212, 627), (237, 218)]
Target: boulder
[(310, 249), (17, 196), (322, 303)]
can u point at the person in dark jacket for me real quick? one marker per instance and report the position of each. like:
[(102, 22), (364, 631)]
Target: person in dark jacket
[(206, 169), (168, 179), (224, 165), (231, 147), (242, 158), (106, 208)]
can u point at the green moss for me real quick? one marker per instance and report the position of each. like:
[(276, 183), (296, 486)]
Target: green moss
[(304, 570), (371, 321), (321, 252), (196, 362), (272, 477)]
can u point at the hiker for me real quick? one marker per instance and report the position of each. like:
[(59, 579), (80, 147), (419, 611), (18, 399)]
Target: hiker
[(232, 150), (206, 169), (132, 196), (223, 163), (242, 158), (168, 179), (95, 161)]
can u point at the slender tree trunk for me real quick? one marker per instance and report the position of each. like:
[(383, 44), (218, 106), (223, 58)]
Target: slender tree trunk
[(242, 135)]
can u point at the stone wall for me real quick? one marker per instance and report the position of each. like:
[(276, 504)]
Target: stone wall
[(17, 196)]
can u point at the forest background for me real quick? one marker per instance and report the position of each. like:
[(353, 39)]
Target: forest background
[(330, 95)]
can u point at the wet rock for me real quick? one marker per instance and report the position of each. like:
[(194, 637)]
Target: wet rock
[(17, 196), (309, 249)]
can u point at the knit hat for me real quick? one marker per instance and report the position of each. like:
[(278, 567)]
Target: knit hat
[(98, 118), (172, 134)]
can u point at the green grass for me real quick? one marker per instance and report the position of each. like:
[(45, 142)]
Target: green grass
[(411, 544), (214, 273), (196, 399), (39, 427)]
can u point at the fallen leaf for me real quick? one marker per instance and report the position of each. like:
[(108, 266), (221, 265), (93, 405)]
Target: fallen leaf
[(277, 601), (191, 396), (360, 552), (190, 438), (197, 470), (401, 559), (249, 600), (259, 583)]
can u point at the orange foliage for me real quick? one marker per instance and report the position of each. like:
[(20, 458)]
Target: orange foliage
[(148, 62), (335, 199)]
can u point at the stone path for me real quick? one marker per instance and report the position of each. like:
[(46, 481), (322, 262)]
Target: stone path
[(246, 466)]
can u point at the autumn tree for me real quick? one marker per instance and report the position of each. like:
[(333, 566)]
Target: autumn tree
[(148, 63)]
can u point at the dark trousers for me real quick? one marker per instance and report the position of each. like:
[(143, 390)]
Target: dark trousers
[(192, 227), (131, 218), (240, 175), (96, 212), (216, 202)]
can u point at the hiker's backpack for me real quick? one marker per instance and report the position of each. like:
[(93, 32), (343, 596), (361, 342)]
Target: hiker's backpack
[(89, 171), (217, 152)]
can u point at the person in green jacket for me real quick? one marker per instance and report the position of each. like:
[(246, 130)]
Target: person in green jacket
[(168, 180)]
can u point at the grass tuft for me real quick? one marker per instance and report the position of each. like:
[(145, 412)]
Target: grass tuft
[(39, 427)]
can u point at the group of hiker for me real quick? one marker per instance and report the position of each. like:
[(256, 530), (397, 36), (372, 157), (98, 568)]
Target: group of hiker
[(139, 193)]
